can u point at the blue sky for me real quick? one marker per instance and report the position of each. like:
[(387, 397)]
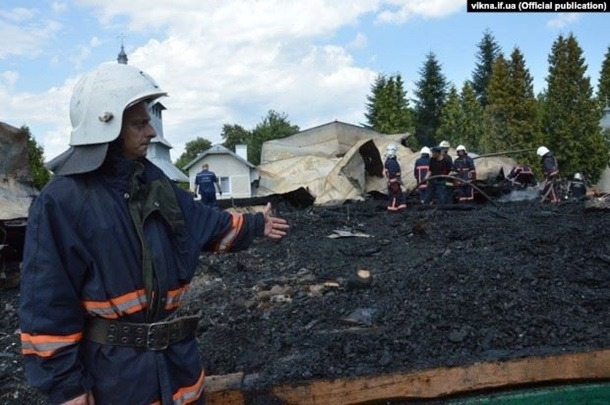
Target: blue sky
[(231, 61)]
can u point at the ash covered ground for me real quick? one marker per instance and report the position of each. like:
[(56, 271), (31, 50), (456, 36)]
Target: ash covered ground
[(449, 287)]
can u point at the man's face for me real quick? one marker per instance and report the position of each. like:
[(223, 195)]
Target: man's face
[(136, 131)]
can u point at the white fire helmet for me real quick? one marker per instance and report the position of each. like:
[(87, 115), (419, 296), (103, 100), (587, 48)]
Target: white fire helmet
[(425, 150), (460, 147), (391, 150), (100, 97), (96, 113), (543, 150), (578, 176), (444, 144)]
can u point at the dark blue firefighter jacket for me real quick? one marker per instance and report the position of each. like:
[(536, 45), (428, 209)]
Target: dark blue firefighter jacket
[(84, 258)]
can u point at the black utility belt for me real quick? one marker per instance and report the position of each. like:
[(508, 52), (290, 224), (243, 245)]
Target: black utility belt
[(151, 336)]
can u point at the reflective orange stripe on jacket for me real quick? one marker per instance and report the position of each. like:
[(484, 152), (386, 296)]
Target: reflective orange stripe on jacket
[(126, 304), (188, 395), (174, 297), (227, 241), (421, 175), (47, 345)]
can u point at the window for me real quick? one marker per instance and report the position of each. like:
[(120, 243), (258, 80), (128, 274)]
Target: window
[(225, 185)]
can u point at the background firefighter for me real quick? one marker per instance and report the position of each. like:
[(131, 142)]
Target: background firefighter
[(466, 172), (550, 171), (521, 177), (420, 171), (397, 200), (578, 187), (437, 188)]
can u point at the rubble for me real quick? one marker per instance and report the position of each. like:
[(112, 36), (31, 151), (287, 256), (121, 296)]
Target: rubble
[(448, 288)]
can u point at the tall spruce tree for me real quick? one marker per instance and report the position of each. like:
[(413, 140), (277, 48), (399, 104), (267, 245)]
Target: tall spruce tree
[(488, 51), (571, 115), (512, 113), (473, 128), (387, 109), (603, 92), (524, 124), (603, 89), (452, 118), (431, 90), (497, 111)]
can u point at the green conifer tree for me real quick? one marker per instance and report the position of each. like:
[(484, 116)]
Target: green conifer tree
[(603, 88), (473, 128), (497, 111), (387, 109), (452, 118), (524, 122), (431, 90), (570, 117), (488, 51)]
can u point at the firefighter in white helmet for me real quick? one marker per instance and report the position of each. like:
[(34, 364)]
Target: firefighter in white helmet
[(466, 172), (420, 171), (578, 188), (393, 175), (445, 145), (111, 246), (550, 171)]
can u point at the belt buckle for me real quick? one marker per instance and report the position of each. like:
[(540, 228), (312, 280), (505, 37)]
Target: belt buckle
[(157, 337)]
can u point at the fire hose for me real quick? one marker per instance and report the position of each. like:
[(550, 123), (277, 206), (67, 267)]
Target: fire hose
[(446, 176)]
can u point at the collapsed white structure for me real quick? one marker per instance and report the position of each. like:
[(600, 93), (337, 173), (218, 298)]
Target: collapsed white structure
[(337, 162), (16, 189)]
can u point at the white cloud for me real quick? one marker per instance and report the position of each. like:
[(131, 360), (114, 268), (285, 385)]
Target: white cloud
[(95, 42), (59, 7), (563, 20), (360, 41), (84, 52), (8, 78), (23, 32), (399, 11), (18, 14), (232, 61), (48, 113)]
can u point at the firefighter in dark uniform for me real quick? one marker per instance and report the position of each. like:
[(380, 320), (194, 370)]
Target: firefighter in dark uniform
[(420, 171), (521, 177), (110, 249), (550, 171), (397, 200), (578, 188), (206, 184), (466, 172), (437, 187)]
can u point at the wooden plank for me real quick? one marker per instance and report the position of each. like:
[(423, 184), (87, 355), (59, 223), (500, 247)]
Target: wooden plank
[(224, 389), (425, 384), (444, 381)]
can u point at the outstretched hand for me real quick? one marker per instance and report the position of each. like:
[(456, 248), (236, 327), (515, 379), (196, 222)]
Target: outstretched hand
[(275, 228)]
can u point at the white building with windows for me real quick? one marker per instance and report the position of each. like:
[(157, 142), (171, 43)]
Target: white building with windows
[(238, 177)]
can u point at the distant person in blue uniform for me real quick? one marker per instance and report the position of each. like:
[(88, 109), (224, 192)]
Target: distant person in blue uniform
[(392, 172), (205, 183)]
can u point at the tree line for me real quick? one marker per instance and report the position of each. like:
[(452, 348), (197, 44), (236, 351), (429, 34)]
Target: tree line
[(495, 110)]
